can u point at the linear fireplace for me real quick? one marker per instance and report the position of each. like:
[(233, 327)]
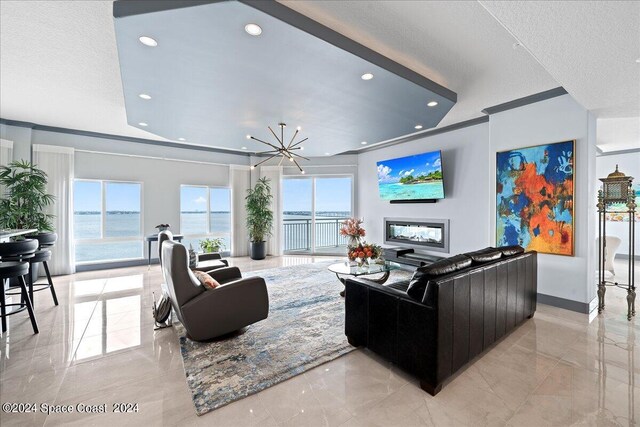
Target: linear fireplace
[(431, 234)]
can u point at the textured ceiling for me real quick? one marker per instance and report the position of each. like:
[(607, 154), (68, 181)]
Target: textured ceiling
[(59, 63), (456, 44), (617, 134), (589, 47), (59, 66)]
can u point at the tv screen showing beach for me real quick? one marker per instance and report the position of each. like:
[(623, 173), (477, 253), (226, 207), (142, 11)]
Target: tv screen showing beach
[(411, 178)]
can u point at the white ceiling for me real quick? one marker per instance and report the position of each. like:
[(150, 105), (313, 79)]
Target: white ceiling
[(456, 44), (59, 63)]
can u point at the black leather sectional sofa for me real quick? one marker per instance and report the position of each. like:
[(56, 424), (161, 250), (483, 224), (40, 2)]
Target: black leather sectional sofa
[(448, 313)]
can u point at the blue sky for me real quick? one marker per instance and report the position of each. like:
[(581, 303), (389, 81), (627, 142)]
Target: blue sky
[(195, 199), (332, 194), (119, 196), (394, 169)]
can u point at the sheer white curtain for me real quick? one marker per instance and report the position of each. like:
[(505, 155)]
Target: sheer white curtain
[(240, 182), (274, 173), (57, 163), (6, 152)]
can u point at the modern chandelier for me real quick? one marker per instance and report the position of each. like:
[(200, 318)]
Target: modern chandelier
[(280, 149)]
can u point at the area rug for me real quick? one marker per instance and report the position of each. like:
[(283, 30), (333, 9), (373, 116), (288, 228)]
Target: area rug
[(305, 328)]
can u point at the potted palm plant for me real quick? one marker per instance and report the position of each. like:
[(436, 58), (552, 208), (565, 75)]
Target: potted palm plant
[(25, 198), (24, 201), (259, 217)]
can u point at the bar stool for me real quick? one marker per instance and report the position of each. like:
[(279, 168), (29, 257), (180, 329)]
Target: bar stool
[(14, 263), (42, 255)]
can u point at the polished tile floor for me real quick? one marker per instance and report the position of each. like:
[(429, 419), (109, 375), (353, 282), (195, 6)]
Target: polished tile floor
[(99, 347)]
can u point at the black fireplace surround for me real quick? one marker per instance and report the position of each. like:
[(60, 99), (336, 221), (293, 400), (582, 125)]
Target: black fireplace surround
[(448, 313)]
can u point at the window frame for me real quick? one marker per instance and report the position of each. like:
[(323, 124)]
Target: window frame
[(103, 215), (314, 178), (208, 212)]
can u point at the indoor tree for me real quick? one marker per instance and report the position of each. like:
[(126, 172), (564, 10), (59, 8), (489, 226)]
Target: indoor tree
[(25, 197), (259, 216)]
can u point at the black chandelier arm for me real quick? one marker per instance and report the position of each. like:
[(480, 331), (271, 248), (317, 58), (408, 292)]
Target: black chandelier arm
[(298, 155), (265, 142), (265, 160), (276, 136), (292, 138), (299, 142), (294, 161)]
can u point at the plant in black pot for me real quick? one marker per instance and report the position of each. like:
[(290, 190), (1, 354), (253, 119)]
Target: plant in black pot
[(259, 217)]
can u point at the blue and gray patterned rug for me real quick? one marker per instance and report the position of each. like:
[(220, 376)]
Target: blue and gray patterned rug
[(305, 328)]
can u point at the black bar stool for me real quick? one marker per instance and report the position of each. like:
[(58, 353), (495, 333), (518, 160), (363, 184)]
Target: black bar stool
[(42, 255), (14, 263)]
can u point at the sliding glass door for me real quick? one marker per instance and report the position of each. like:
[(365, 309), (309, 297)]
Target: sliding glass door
[(313, 209)]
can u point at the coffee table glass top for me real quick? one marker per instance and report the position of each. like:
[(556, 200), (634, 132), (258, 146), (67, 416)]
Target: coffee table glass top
[(354, 270)]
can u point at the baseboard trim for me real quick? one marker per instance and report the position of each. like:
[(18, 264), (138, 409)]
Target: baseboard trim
[(116, 264), (567, 304)]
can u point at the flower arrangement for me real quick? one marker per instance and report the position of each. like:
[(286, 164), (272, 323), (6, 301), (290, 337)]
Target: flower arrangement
[(364, 251), (352, 228)]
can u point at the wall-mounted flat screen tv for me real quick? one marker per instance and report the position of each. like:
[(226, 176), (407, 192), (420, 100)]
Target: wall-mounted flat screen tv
[(409, 178)]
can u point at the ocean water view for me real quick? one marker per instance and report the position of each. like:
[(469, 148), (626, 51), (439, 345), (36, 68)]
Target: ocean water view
[(126, 227), (398, 191)]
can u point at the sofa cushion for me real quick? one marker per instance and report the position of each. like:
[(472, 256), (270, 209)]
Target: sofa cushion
[(421, 277), (206, 280), (511, 250), (484, 255)]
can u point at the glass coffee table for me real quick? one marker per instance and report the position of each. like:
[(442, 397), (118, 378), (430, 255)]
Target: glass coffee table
[(346, 269)]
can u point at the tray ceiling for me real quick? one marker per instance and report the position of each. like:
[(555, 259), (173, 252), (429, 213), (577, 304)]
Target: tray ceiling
[(211, 83)]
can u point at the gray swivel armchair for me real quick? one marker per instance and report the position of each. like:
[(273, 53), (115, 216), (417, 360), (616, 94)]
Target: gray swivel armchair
[(210, 313)]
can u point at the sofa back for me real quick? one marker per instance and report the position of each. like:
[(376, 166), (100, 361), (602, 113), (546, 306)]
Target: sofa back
[(479, 305)]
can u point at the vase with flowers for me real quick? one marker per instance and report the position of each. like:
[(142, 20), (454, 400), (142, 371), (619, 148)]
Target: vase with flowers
[(364, 253), (353, 231)]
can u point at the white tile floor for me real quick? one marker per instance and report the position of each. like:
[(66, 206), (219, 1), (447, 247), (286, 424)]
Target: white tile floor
[(99, 347)]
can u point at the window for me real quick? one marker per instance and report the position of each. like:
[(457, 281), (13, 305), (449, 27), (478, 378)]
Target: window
[(107, 220), (313, 210), (205, 212)]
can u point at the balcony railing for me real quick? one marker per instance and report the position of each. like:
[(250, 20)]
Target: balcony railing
[(297, 234)]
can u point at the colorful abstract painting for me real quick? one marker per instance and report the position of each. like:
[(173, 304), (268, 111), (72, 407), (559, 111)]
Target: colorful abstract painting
[(534, 198)]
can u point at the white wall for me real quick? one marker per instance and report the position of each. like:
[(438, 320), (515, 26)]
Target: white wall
[(469, 175), (629, 163), (465, 159), (554, 120)]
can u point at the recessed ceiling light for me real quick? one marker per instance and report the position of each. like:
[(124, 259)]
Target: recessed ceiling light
[(144, 96), (143, 124), (432, 103), (253, 29), (148, 41), (181, 139), (364, 143), (367, 76), (418, 127), (638, 61), (244, 148)]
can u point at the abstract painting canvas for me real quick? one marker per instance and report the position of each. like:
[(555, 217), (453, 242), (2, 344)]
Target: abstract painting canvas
[(534, 198)]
